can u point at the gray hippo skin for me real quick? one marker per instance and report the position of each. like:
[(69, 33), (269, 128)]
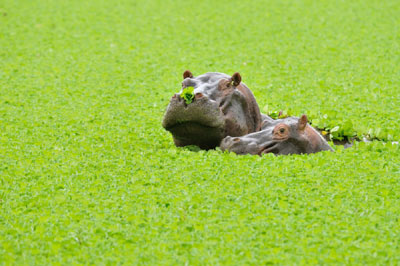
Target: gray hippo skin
[(290, 135), (222, 106)]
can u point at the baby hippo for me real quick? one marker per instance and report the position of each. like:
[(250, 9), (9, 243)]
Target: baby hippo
[(290, 135)]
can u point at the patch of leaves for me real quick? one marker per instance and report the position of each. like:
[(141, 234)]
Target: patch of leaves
[(187, 94), (89, 176)]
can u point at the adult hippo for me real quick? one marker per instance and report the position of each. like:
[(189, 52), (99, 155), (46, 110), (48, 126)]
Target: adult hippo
[(290, 135), (222, 106)]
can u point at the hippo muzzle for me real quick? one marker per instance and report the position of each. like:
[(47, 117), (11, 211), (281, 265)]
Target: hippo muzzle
[(248, 145), (199, 123)]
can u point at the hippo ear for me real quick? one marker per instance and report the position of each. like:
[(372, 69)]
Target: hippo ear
[(302, 122), (236, 79), (187, 74)]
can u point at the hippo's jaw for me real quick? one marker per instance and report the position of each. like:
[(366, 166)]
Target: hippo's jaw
[(199, 123), (192, 133)]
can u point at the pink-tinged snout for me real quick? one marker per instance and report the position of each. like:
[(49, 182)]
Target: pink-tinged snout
[(239, 146)]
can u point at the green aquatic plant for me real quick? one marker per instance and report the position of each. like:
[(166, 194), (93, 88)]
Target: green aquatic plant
[(88, 175), (187, 94)]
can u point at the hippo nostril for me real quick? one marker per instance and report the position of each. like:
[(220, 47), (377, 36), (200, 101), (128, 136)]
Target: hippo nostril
[(198, 95)]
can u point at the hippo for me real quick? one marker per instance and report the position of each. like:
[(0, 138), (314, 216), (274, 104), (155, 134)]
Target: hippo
[(289, 135), (222, 106)]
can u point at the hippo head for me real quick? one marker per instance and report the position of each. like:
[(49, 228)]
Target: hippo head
[(222, 106), (290, 135)]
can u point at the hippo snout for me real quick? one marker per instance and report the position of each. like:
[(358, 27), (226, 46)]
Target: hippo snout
[(228, 142), (225, 143), (198, 96), (238, 145)]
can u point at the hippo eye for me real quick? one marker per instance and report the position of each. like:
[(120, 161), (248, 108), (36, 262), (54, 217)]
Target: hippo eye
[(282, 130)]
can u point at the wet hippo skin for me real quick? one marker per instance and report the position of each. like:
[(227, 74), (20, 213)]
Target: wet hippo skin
[(222, 106), (225, 113), (290, 135)]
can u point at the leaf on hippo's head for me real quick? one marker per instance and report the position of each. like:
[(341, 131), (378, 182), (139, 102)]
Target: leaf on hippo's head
[(274, 114), (187, 94)]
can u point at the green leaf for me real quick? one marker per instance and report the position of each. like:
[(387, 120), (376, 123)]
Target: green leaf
[(187, 94)]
